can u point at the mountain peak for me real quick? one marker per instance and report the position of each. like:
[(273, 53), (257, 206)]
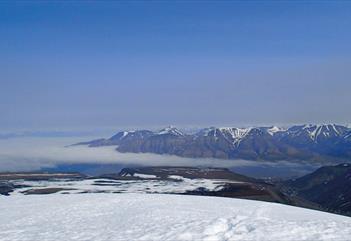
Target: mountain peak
[(171, 130), (317, 132), (120, 135), (274, 129)]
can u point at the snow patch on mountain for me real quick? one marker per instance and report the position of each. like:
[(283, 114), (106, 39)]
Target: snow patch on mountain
[(274, 129), (170, 130), (317, 132), (121, 135), (235, 134)]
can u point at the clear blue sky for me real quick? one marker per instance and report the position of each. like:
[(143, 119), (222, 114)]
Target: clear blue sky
[(90, 64)]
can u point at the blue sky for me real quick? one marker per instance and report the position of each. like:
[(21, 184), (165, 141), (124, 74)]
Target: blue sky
[(89, 64)]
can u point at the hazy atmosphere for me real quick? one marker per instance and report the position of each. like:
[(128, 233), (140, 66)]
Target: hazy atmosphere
[(175, 120), (33, 153), (83, 65)]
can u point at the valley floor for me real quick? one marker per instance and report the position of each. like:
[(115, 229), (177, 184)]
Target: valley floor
[(106, 216)]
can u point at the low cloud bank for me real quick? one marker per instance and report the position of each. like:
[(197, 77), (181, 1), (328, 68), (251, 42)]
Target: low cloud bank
[(27, 154)]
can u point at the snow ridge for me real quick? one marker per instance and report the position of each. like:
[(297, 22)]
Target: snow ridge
[(274, 129), (325, 130), (235, 134), (170, 130)]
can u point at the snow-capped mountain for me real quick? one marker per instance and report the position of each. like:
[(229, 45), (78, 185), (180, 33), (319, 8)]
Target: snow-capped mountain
[(307, 142), (328, 139), (274, 129), (131, 135), (234, 135), (316, 133), (170, 131)]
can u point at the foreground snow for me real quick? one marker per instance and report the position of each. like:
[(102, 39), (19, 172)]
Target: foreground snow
[(107, 216)]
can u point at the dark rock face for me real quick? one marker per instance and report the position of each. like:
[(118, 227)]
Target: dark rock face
[(7, 187), (160, 144), (307, 142), (44, 191), (329, 186), (254, 191)]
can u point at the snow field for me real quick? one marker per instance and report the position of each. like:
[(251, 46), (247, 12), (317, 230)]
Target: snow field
[(105, 216)]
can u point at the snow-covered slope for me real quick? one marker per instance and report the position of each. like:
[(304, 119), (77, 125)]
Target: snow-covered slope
[(170, 130), (317, 132), (161, 217), (235, 135)]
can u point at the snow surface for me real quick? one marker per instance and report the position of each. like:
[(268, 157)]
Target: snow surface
[(175, 184), (161, 217), (146, 176)]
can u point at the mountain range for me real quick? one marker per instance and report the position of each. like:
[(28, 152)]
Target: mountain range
[(310, 142)]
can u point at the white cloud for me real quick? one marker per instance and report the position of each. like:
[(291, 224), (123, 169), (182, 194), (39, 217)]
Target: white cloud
[(27, 154), (32, 153)]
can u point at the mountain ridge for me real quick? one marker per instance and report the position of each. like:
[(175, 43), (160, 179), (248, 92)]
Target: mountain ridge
[(328, 186), (300, 142)]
